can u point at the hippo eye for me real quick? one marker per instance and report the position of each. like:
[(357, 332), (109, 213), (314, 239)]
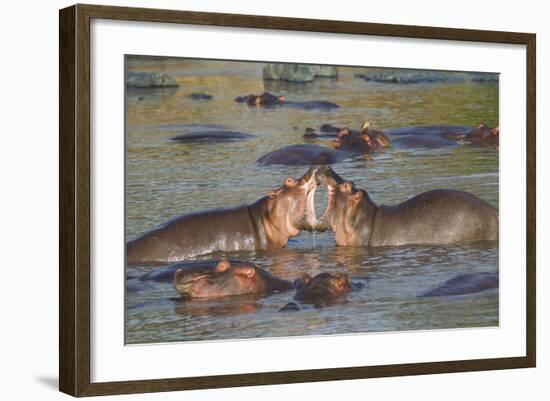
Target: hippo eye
[(343, 132), (290, 182), (222, 266), (274, 193), (355, 196), (345, 187)]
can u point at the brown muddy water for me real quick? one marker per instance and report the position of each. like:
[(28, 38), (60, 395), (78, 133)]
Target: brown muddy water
[(165, 179)]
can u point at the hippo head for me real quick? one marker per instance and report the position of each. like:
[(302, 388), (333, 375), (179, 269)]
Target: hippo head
[(348, 209), (224, 279), (290, 207), (351, 140), (322, 289), (365, 141), (484, 135), (491, 137), (266, 99)]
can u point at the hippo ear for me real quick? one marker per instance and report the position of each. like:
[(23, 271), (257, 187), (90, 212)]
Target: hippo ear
[(305, 278), (245, 271), (366, 135), (495, 131), (344, 279), (345, 187), (177, 275), (290, 182), (343, 132), (222, 266), (282, 98)]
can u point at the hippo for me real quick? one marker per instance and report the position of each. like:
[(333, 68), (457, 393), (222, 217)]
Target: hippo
[(322, 290), (361, 142), (325, 131), (269, 100), (465, 284), (303, 155), (416, 137), (436, 136), (322, 105), (266, 99), (440, 216), (214, 136), (428, 137), (221, 278), (483, 135), (347, 144), (266, 224), (200, 96)]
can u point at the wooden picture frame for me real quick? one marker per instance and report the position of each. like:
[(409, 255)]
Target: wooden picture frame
[(74, 203)]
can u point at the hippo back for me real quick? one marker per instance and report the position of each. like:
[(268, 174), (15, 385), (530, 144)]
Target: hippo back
[(194, 234)]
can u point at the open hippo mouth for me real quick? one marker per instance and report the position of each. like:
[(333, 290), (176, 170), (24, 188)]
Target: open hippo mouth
[(311, 215), (326, 177)]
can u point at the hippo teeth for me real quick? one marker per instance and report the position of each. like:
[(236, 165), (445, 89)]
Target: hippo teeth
[(310, 209)]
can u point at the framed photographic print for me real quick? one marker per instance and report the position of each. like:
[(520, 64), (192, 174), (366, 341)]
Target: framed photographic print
[(280, 200)]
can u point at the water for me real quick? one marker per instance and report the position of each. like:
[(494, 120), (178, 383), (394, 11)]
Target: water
[(166, 179)]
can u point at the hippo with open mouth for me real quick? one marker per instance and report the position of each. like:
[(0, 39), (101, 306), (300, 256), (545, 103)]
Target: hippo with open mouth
[(266, 224), (213, 279), (440, 216)]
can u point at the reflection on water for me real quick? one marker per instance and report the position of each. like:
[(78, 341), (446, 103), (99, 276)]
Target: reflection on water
[(166, 179)]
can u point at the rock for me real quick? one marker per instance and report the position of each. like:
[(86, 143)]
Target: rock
[(298, 72), (410, 77), (150, 80), (484, 77)]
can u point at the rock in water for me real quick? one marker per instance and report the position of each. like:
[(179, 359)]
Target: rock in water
[(298, 72), (150, 80), (410, 77)]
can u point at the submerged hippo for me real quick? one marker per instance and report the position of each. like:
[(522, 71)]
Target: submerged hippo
[(220, 278), (365, 141), (436, 217), (435, 136), (347, 144), (303, 155), (200, 96), (428, 137), (325, 131), (267, 99), (465, 284), (265, 224), (322, 290), (483, 135), (213, 136)]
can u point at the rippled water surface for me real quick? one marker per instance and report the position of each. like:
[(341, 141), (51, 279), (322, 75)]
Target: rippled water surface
[(165, 179)]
